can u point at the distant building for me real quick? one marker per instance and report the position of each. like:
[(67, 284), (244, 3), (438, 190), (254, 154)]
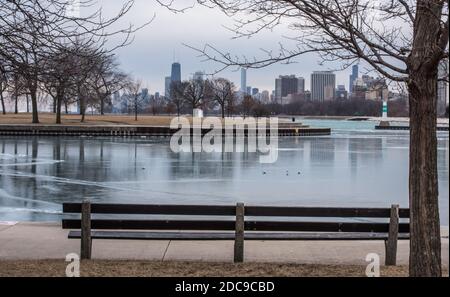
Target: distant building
[(323, 84), (248, 91), (285, 85), (243, 80), (168, 82), (359, 90), (377, 89), (370, 88), (116, 103), (353, 77), (145, 94), (301, 85), (157, 96), (198, 75), (341, 93), (255, 91), (265, 97), (176, 72)]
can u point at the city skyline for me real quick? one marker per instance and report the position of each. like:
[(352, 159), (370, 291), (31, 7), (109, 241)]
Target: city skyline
[(160, 44)]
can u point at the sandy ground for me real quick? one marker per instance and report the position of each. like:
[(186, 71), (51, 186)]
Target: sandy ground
[(98, 268)]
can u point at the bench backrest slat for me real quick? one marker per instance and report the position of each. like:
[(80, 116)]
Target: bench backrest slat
[(274, 211), (225, 210), (143, 209), (222, 225)]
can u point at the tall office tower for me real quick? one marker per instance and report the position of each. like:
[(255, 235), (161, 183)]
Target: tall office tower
[(167, 83), (353, 77), (176, 72), (323, 84), (244, 80), (255, 91), (249, 91), (285, 85), (442, 89), (277, 93), (301, 85)]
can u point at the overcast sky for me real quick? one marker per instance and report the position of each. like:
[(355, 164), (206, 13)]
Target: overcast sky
[(156, 46)]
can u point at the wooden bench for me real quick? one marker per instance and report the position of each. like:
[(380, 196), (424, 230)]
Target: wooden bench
[(230, 223)]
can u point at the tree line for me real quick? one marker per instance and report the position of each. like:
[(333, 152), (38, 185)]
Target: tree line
[(49, 52)]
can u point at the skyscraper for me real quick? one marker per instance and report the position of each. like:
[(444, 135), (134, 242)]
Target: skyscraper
[(301, 85), (198, 75), (243, 80), (176, 72), (353, 77), (167, 82), (285, 85), (323, 85)]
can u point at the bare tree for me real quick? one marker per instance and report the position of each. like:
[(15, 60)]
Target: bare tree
[(106, 79), (177, 90), (197, 92), (402, 40), (223, 92), (247, 105), (59, 71), (135, 98), (33, 29)]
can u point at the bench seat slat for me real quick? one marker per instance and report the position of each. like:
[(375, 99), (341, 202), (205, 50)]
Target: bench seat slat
[(127, 235)]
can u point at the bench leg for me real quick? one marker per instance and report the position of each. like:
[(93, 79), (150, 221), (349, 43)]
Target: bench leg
[(239, 237), (86, 240)]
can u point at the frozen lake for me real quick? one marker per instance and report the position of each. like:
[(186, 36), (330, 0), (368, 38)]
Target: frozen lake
[(355, 166)]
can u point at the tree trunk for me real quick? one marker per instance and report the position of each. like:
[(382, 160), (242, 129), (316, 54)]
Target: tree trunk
[(425, 244), (28, 103), (135, 110), (82, 109), (59, 100), (223, 111), (34, 106), (16, 103), (102, 106), (2, 99)]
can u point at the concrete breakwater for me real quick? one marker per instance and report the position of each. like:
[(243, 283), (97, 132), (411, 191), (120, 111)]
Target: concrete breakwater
[(137, 131), (381, 127)]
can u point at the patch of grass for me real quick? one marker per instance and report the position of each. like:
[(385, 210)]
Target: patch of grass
[(90, 120)]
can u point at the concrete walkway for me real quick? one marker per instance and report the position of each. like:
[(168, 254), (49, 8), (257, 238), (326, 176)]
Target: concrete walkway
[(33, 241)]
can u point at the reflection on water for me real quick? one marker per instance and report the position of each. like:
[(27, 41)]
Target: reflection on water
[(346, 169)]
